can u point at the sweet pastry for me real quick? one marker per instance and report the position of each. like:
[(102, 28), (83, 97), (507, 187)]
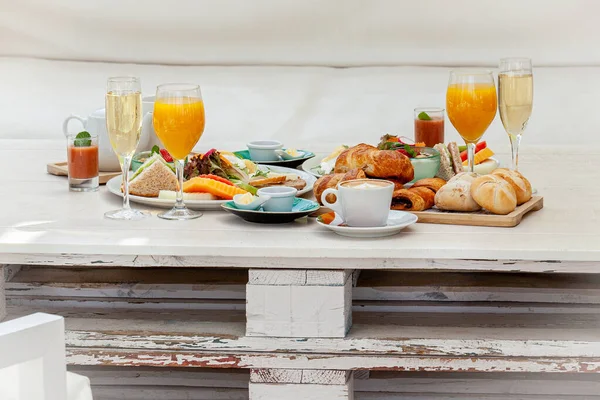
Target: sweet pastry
[(376, 163), (465, 176), (456, 196), (434, 184), (406, 200), (426, 194), (494, 194), (519, 183), (332, 180)]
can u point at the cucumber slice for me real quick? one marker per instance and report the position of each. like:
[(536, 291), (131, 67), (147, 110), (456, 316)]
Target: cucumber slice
[(247, 188)]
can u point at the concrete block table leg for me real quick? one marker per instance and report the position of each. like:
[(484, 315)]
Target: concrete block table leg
[(277, 384), (299, 303)]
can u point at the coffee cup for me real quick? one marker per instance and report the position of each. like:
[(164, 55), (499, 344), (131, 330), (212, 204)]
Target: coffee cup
[(361, 202), (281, 198)]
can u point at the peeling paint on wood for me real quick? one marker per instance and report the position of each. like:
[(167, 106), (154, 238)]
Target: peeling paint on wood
[(79, 356)]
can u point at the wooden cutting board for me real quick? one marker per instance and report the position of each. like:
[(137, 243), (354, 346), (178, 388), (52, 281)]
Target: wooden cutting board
[(478, 218), (61, 169)]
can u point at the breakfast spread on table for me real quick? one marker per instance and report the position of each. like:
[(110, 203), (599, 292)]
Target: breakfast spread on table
[(369, 187)]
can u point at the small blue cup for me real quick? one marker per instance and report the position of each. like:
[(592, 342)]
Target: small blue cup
[(281, 198)]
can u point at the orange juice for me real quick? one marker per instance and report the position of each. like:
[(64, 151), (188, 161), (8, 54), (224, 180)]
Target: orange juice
[(471, 108), (179, 125)]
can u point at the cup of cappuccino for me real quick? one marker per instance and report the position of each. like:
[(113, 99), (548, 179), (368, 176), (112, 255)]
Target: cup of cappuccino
[(362, 202)]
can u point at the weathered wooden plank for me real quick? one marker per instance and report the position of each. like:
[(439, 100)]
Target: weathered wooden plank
[(164, 377), (155, 358), (475, 396), (319, 377), (591, 266), (492, 383), (117, 275), (102, 392), (286, 309), (2, 293), (198, 283), (298, 277), (380, 382), (405, 334)]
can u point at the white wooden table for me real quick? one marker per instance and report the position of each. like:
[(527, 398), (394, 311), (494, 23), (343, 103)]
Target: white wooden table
[(300, 284)]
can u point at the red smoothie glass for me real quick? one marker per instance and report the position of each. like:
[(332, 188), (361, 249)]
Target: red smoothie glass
[(82, 156), (429, 125)]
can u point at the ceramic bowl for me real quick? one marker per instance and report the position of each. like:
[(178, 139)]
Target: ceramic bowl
[(264, 150), (427, 166), (255, 205), (281, 198)]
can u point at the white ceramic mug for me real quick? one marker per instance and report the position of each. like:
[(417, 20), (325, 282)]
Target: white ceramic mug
[(95, 124), (361, 202)]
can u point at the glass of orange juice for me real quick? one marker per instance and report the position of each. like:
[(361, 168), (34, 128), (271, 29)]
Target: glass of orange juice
[(471, 104), (178, 120)]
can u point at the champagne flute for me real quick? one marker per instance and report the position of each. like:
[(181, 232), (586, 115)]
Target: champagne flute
[(515, 100), (471, 105), (124, 125), (179, 123)]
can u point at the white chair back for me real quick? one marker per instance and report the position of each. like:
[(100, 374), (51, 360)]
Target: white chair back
[(32, 358)]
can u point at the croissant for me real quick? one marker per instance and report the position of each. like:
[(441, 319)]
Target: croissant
[(434, 184), (376, 163), (404, 199), (332, 180), (426, 194)]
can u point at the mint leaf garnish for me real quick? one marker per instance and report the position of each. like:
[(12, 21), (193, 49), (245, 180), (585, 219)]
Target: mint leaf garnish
[(155, 150), (423, 116), (83, 139)]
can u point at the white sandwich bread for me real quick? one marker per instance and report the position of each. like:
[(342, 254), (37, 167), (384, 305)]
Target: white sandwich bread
[(152, 177)]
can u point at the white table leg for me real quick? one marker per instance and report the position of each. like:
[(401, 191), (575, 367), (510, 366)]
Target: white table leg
[(299, 303), (277, 384)]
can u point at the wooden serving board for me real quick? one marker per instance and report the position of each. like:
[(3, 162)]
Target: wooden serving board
[(480, 218), (477, 218), (61, 169)]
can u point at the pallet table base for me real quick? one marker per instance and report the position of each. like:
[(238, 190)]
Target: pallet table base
[(299, 303), (290, 384), (2, 296)]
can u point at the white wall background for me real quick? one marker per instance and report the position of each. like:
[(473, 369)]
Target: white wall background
[(307, 32)]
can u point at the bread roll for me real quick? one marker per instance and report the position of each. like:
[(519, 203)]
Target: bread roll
[(404, 199), (331, 181), (434, 184), (456, 196), (426, 194), (519, 183), (494, 194), (464, 176), (376, 163)]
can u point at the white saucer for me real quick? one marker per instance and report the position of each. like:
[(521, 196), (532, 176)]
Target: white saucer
[(397, 221)]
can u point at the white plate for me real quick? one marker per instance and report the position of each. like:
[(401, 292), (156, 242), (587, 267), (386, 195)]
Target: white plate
[(114, 186), (485, 167), (312, 163), (397, 221)]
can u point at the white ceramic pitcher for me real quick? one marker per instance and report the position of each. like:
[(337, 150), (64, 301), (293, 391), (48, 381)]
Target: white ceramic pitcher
[(95, 124)]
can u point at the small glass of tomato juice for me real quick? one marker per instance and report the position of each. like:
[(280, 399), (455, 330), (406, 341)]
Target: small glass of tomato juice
[(82, 156), (429, 125)]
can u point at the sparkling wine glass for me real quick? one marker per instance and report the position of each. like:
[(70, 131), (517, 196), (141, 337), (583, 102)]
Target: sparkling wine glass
[(515, 100), (179, 123), (124, 125), (471, 105)]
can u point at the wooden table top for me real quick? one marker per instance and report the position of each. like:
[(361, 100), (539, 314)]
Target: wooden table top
[(42, 222)]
